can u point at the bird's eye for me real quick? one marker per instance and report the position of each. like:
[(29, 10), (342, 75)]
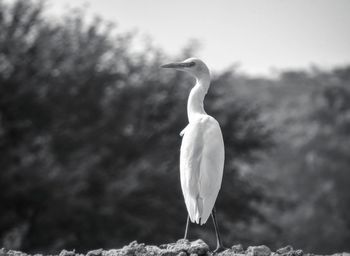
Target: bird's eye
[(188, 64), (192, 64)]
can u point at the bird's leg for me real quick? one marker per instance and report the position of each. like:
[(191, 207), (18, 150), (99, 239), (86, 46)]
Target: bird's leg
[(187, 224), (219, 246)]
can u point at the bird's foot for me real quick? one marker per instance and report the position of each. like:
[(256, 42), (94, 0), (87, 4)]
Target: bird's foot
[(220, 248)]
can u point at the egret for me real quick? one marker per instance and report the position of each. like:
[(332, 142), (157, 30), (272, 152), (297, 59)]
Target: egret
[(202, 151)]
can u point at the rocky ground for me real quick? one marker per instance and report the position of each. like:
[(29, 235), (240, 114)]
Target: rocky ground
[(180, 248)]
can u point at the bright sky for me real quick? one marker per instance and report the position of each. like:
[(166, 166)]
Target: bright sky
[(259, 34)]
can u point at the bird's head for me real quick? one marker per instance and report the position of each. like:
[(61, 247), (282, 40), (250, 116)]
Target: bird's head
[(193, 66)]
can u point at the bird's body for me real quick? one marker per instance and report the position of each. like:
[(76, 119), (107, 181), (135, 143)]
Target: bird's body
[(201, 166), (202, 150), (201, 159)]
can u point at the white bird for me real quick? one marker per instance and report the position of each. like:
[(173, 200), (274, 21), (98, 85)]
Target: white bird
[(202, 150)]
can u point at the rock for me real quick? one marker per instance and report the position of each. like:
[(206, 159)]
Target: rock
[(289, 251), (174, 249), (237, 248), (67, 253), (134, 248), (298, 253), (284, 250), (113, 252), (229, 252), (153, 250), (94, 252), (261, 250), (182, 246), (15, 253), (198, 247), (3, 251), (12, 252)]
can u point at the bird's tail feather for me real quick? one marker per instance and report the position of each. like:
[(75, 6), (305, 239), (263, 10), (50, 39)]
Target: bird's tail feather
[(199, 210), (195, 210)]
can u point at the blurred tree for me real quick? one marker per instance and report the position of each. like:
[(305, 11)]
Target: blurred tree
[(89, 138), (309, 170)]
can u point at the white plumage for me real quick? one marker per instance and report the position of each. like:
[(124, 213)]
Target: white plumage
[(201, 166), (202, 149)]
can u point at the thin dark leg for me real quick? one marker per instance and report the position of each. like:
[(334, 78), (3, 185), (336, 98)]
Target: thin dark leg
[(187, 224), (219, 246)]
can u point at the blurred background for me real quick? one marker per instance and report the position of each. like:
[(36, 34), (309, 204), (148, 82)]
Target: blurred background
[(89, 123)]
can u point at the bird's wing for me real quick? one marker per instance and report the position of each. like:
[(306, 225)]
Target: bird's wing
[(201, 167), (211, 167), (190, 156)]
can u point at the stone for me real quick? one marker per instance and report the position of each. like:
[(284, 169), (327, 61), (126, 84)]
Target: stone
[(198, 247), (134, 248), (15, 253), (94, 252), (67, 253), (174, 249), (3, 251), (284, 250), (237, 248), (153, 250), (298, 253), (182, 247), (289, 251), (261, 250), (113, 252), (229, 252)]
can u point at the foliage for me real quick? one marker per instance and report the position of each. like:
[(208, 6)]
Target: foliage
[(89, 137), (309, 168), (89, 143)]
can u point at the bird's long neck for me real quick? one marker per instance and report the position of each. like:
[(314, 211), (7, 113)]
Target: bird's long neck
[(195, 100)]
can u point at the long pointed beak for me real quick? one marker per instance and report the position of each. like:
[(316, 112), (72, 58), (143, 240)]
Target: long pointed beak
[(178, 65)]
